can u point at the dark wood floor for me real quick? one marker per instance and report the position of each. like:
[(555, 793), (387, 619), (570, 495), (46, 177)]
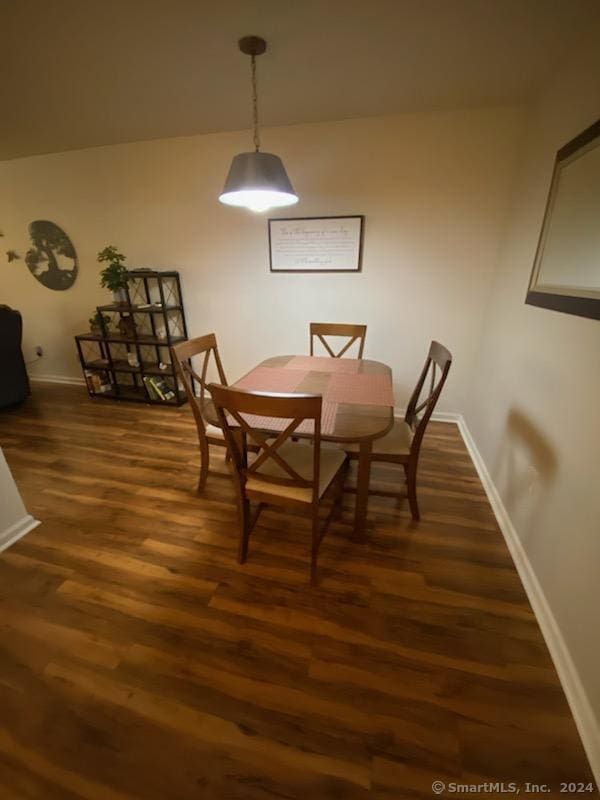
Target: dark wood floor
[(138, 660)]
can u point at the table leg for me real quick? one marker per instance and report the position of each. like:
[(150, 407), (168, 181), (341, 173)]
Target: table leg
[(362, 490)]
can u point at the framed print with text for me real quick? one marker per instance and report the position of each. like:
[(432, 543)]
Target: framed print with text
[(316, 244)]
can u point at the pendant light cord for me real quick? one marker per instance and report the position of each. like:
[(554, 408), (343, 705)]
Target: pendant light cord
[(255, 106)]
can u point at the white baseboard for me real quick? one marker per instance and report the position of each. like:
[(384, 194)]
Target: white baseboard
[(437, 416), (16, 531), (587, 723), (446, 416), (57, 379)]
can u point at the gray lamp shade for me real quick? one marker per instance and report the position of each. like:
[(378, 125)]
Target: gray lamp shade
[(258, 181)]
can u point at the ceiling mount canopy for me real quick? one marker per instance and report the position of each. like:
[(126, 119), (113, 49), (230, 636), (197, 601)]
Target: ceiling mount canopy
[(252, 45), (256, 180)]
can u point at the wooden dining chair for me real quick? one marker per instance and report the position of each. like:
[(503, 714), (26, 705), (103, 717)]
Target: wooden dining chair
[(402, 445), (284, 473), (205, 346), (354, 333)]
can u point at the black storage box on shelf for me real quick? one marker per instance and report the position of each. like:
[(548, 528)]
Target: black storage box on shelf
[(129, 358)]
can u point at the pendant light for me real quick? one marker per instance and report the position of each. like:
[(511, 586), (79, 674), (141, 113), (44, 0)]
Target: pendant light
[(256, 180)]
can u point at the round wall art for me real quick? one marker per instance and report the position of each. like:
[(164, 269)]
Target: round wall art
[(52, 260)]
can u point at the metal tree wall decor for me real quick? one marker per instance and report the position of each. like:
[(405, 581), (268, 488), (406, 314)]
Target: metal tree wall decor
[(52, 260)]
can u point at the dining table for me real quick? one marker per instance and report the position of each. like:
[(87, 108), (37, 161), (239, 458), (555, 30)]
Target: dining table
[(358, 406)]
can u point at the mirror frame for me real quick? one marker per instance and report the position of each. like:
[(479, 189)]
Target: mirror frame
[(580, 305)]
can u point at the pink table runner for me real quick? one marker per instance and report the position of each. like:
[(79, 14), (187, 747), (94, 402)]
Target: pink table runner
[(328, 413), (271, 379), (345, 385), (369, 389), (278, 379), (324, 364)]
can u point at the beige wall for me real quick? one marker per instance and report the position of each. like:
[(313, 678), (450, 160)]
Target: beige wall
[(434, 188), (535, 415)]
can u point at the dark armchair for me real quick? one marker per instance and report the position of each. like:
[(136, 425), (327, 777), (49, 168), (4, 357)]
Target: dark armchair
[(14, 383)]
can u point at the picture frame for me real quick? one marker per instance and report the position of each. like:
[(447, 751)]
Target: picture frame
[(316, 244), (566, 270)]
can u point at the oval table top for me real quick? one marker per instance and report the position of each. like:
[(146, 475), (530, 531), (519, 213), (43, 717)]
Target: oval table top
[(357, 393)]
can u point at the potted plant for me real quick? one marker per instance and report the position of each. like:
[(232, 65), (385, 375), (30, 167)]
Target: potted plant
[(96, 322), (114, 275)]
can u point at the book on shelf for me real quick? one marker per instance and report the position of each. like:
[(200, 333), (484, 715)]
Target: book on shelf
[(162, 388), (98, 382), (158, 389), (152, 394)]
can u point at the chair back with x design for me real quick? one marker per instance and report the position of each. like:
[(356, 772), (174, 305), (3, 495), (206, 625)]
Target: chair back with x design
[(354, 333), (432, 380), (206, 347), (239, 414)]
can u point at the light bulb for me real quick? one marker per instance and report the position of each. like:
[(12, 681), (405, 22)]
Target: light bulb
[(258, 200)]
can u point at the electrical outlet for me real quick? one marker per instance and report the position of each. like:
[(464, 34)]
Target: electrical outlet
[(39, 351)]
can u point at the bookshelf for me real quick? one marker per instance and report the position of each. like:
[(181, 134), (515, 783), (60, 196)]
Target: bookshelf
[(135, 338)]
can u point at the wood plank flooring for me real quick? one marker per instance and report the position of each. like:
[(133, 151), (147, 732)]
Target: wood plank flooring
[(139, 661)]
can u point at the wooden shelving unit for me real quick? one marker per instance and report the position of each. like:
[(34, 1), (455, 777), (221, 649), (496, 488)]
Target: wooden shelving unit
[(155, 305)]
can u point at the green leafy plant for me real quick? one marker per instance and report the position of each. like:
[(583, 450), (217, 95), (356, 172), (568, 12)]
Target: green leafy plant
[(113, 276), (96, 321)]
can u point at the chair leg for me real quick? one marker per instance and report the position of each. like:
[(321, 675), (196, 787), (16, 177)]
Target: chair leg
[(363, 481), (240, 442), (339, 498), (411, 490), (245, 526), (314, 550), (204, 463)]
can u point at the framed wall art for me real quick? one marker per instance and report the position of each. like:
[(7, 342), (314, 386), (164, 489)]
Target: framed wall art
[(566, 271), (316, 244)]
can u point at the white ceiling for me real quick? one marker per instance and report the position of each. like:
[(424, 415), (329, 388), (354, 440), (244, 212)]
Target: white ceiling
[(79, 73)]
